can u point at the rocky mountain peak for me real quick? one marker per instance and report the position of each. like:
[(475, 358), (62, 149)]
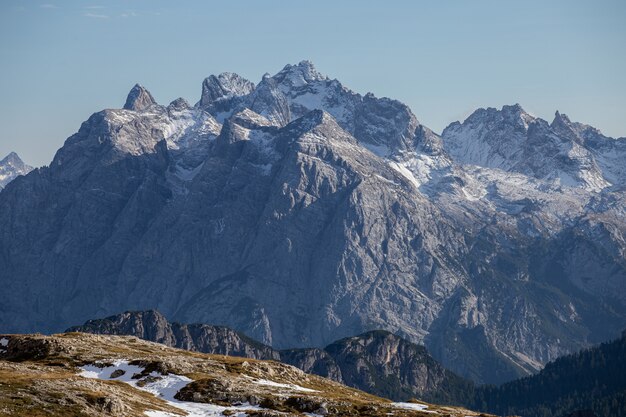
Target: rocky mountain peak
[(13, 159), (513, 109), (513, 115), (560, 120), (270, 102), (574, 130), (224, 86), (10, 167), (179, 104), (563, 152), (139, 98), (300, 74)]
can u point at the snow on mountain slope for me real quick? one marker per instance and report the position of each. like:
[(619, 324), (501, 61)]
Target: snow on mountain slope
[(563, 153), (383, 125), (10, 167)]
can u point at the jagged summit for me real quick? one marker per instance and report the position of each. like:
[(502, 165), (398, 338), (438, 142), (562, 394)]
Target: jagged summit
[(268, 101), (179, 104), (517, 108), (12, 158), (513, 114), (12, 166), (318, 120), (560, 120), (562, 152), (139, 98), (300, 74), (222, 88)]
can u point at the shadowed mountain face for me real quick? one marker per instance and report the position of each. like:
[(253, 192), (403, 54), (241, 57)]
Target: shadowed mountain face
[(300, 212), (377, 362)]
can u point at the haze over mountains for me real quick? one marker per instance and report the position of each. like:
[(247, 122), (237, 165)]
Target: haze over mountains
[(299, 212)]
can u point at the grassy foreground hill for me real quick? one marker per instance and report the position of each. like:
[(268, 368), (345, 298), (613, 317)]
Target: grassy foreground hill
[(77, 374), (377, 361)]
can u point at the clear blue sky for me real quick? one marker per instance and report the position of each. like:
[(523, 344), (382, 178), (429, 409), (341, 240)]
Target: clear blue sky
[(63, 60)]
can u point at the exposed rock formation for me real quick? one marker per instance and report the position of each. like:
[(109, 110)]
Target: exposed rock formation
[(300, 212)]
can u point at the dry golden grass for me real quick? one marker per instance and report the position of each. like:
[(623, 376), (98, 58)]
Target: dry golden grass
[(42, 380)]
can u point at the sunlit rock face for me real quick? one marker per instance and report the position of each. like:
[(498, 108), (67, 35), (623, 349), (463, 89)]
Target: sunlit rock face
[(299, 212)]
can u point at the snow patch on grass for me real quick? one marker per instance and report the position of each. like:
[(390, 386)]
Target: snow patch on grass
[(165, 387), (413, 406), (291, 387)]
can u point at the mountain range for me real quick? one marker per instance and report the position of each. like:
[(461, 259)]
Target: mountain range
[(300, 212)]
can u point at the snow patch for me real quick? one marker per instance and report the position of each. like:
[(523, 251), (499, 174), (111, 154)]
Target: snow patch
[(165, 388), (378, 150), (291, 387), (413, 406), (311, 100), (187, 174), (406, 173)]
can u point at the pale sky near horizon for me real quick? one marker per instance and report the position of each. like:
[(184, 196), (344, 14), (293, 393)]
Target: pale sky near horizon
[(61, 61)]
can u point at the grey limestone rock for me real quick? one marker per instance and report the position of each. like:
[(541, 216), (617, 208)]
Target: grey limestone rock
[(299, 212)]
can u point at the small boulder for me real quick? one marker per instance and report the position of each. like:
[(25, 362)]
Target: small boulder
[(117, 373)]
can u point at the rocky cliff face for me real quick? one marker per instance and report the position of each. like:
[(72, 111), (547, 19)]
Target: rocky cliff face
[(11, 167), (299, 212), (377, 362), (387, 365)]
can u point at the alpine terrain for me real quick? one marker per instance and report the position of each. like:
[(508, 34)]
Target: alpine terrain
[(300, 212), (588, 383), (77, 374), (377, 362)]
